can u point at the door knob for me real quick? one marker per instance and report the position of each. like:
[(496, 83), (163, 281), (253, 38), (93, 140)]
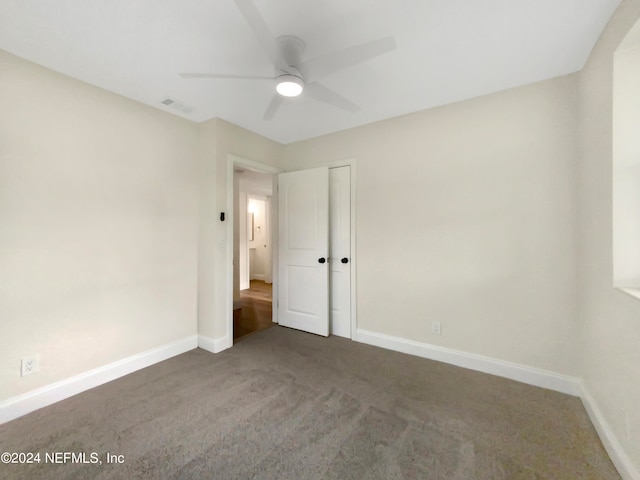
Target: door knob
[(322, 260), (344, 260)]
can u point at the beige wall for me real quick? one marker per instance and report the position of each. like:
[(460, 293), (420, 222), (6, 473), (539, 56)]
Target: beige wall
[(626, 163), (466, 214), (110, 224), (610, 319), (207, 231), (98, 246), (216, 288)]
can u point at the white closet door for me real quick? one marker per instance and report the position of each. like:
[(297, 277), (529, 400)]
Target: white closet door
[(303, 291), (340, 250)]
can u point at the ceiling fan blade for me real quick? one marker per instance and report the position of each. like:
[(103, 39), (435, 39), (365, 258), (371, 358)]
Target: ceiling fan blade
[(326, 95), (223, 75), (273, 107), (333, 62), (256, 22)]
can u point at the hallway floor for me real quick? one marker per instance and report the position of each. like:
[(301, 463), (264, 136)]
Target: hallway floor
[(252, 313)]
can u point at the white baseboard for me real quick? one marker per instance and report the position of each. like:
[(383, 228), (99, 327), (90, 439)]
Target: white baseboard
[(215, 345), (41, 397), (532, 376), (617, 454), (22, 404), (514, 371)]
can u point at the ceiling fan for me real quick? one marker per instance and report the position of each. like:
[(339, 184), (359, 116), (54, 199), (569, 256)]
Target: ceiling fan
[(295, 75)]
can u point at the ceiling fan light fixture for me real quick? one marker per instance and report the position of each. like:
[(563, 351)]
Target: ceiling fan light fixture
[(289, 85)]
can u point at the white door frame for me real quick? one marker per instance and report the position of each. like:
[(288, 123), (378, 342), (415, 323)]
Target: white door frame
[(232, 162)]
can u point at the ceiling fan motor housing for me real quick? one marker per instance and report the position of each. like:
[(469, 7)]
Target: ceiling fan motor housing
[(292, 49)]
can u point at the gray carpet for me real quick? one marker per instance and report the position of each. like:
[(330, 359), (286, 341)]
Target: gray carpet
[(287, 405)]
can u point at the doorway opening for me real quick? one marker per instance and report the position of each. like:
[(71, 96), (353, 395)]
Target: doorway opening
[(340, 257), (253, 247)]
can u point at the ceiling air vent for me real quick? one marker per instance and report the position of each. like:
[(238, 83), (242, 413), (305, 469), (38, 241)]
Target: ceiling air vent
[(176, 105)]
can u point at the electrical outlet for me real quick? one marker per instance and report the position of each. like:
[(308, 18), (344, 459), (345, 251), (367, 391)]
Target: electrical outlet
[(435, 327), (29, 365)]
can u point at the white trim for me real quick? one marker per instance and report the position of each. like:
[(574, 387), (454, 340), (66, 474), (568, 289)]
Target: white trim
[(354, 259), (618, 456), (274, 248), (514, 371), (251, 165), (521, 373), (15, 407), (633, 291), (215, 345)]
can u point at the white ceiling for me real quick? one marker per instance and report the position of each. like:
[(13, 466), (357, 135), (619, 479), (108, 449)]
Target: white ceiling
[(447, 50)]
